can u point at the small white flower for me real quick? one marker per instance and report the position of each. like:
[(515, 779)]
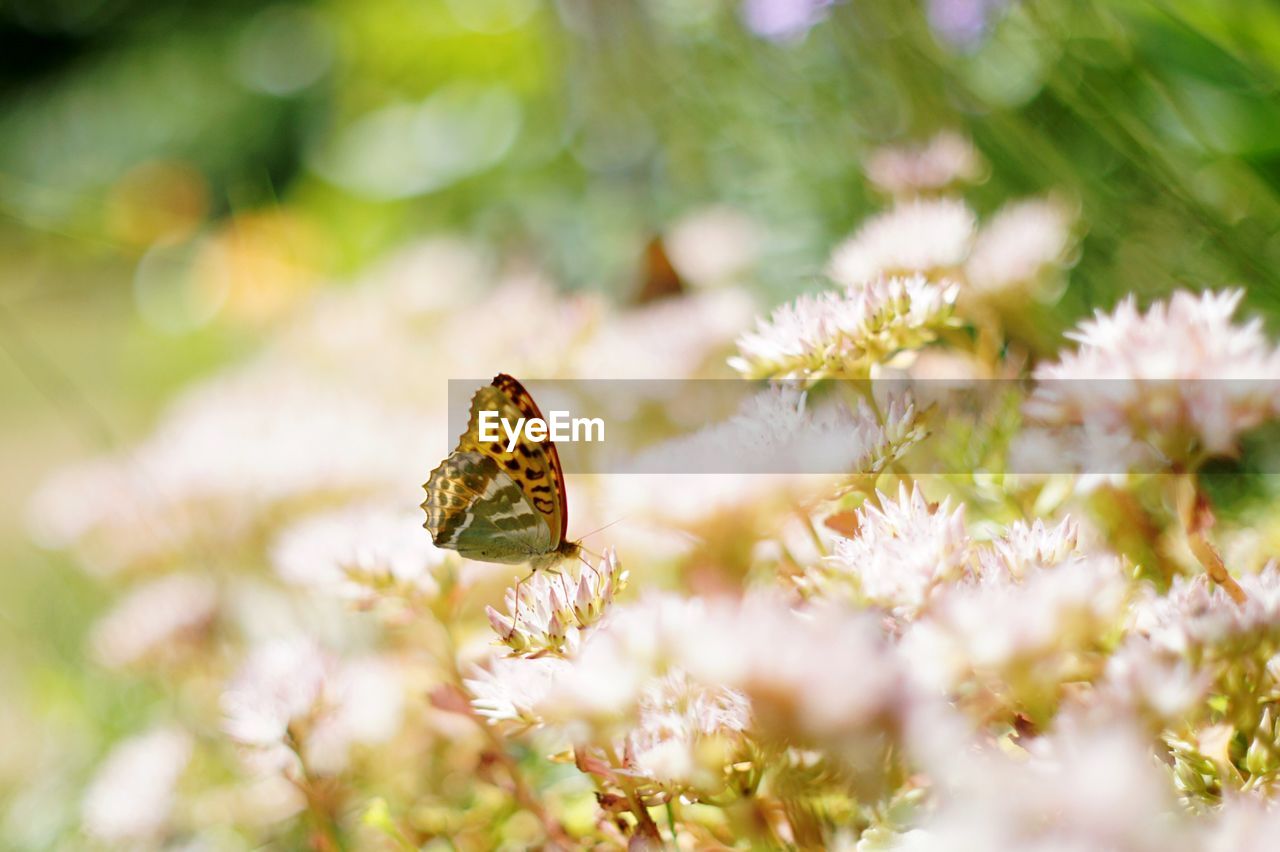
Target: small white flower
[(547, 613), (508, 689), (846, 333), (903, 549), (1033, 631), (1023, 548), (228, 455), (676, 716), (153, 618), (777, 431), (293, 700), (714, 245), (922, 237), (783, 20), (1196, 614), (823, 678), (945, 160), (1021, 244), (603, 686), (675, 338), (1180, 376), (1097, 788), (359, 552), (280, 683), (1246, 823), (131, 796), (1094, 455), (1150, 682)]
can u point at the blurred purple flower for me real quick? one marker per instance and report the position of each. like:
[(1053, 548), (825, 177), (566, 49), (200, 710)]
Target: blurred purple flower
[(783, 20), (963, 23)]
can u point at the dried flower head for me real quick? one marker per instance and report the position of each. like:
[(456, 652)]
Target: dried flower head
[(922, 237), (1181, 376), (843, 334)]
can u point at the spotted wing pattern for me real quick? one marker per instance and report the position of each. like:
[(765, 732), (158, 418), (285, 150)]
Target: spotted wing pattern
[(535, 466), (475, 508), (496, 505)]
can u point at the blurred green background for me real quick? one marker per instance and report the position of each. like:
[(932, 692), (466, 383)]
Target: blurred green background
[(148, 148)]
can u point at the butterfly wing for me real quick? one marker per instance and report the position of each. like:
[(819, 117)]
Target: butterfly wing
[(534, 466), (475, 508)]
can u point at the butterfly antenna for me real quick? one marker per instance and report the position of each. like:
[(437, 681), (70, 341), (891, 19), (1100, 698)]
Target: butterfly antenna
[(602, 529)]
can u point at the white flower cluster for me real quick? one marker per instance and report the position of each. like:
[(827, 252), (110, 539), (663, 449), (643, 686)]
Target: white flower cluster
[(667, 675), (547, 613), (843, 334), (928, 238), (814, 662), (903, 549), (1180, 377), (360, 552), (779, 431), (298, 710)]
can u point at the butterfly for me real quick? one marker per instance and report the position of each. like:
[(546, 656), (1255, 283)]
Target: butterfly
[(495, 505)]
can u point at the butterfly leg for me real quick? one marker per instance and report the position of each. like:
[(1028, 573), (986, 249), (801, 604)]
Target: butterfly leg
[(590, 567), (515, 613)]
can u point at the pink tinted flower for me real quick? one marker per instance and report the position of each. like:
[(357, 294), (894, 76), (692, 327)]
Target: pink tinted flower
[(1092, 788), (1180, 376), (902, 550), (1197, 615), (1019, 247), (845, 333), (921, 237), (548, 612), (507, 690), (943, 161), (783, 20), (359, 552), (291, 699), (154, 619), (681, 725)]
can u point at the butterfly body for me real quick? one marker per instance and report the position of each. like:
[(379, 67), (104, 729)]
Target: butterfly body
[(496, 504)]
